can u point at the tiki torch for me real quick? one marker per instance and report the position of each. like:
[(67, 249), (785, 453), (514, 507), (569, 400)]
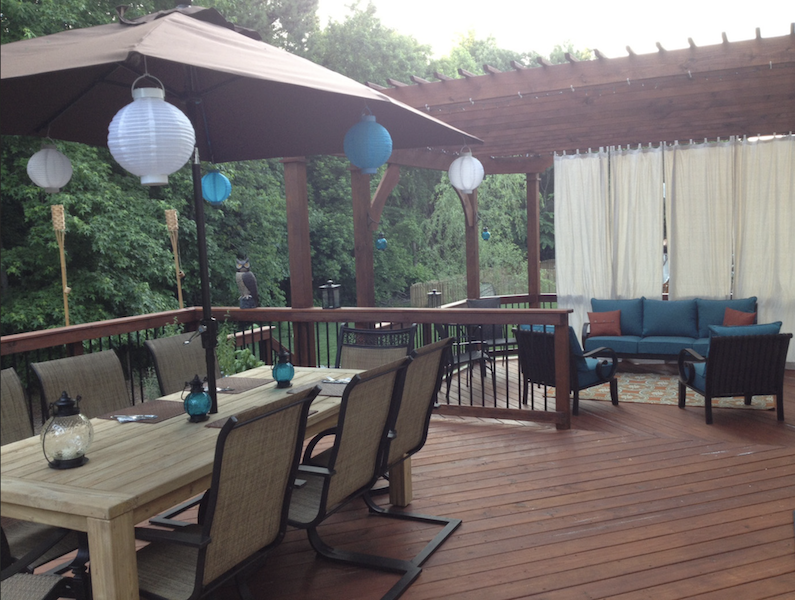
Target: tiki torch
[(59, 224), (173, 232)]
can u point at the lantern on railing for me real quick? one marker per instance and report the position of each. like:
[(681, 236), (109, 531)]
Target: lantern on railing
[(434, 299), (198, 402), (466, 172), (49, 169), (330, 294), (367, 144), (150, 137), (67, 435), (283, 371), (216, 187)]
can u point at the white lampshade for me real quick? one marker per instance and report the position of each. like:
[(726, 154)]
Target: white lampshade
[(49, 169), (466, 172), (150, 137)]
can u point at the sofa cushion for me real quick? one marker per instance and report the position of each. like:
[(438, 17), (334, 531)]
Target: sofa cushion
[(625, 344), (762, 329), (665, 344), (605, 323), (702, 346), (671, 317), (732, 318), (712, 312), (631, 313)]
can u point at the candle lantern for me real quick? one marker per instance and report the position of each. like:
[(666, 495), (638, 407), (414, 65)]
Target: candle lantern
[(67, 435), (485, 234), (380, 242), (330, 294), (197, 403), (283, 371), (434, 299)]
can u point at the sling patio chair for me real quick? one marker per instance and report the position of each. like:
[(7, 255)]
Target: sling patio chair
[(537, 364), (420, 390), (352, 465), (27, 545), (178, 359), (736, 365), (97, 378), (369, 348), (244, 514)]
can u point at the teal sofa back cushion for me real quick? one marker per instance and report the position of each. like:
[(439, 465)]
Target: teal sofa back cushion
[(631, 313), (671, 317), (762, 329), (711, 312)]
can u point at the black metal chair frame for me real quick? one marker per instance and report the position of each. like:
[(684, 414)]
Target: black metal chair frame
[(465, 353), (743, 365), (374, 340), (537, 366)]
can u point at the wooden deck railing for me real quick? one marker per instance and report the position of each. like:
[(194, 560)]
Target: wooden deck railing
[(308, 334)]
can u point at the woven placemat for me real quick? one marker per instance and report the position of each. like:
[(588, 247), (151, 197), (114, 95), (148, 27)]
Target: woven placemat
[(164, 409), (326, 388), (235, 385)]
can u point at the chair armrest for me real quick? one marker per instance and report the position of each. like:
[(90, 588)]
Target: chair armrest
[(182, 537), (313, 470), (688, 356), (310, 447), (608, 353)]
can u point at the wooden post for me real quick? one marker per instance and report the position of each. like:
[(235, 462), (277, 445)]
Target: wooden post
[(172, 224), (533, 240), (301, 292), (362, 239), (472, 238), (59, 225)]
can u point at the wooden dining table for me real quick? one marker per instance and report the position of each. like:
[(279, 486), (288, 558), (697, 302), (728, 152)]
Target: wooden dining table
[(139, 469)]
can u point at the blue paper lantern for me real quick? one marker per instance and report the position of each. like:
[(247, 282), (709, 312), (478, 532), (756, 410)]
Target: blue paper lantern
[(485, 234), (380, 243), (367, 144), (216, 187)]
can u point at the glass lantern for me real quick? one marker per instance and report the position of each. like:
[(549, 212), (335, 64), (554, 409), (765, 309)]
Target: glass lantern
[(197, 403), (330, 294), (283, 371), (434, 299), (67, 435)]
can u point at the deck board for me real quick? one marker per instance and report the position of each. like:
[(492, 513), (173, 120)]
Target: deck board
[(634, 502)]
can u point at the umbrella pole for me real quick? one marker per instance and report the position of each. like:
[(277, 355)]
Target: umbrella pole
[(210, 333)]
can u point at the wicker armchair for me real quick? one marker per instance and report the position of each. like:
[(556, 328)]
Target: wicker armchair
[(245, 511), (177, 359), (353, 464), (370, 348), (97, 378), (741, 365)]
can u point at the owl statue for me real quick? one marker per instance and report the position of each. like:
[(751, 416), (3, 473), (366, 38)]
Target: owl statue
[(246, 284)]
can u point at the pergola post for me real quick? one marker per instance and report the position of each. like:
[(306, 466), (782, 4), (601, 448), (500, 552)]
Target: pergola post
[(301, 292), (533, 240), (472, 239), (362, 239)]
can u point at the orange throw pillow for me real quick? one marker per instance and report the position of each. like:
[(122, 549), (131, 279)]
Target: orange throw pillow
[(733, 318), (605, 323)]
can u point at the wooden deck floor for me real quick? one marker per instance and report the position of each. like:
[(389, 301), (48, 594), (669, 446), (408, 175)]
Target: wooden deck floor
[(633, 502)]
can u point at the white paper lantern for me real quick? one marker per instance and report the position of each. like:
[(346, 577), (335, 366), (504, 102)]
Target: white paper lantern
[(466, 172), (150, 137), (49, 169)]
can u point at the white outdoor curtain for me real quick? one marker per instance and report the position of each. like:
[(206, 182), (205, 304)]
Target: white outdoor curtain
[(582, 232), (636, 191), (765, 251), (700, 216)]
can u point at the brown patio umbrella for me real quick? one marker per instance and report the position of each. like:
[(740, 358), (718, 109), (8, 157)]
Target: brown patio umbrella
[(247, 100)]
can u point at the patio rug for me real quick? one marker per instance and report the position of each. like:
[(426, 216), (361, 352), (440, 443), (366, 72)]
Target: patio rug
[(653, 388)]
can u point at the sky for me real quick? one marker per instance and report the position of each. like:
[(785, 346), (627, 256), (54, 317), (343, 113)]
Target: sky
[(607, 25)]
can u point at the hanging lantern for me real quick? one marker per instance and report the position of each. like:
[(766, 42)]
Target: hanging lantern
[(380, 242), (466, 172), (216, 187), (283, 371), (368, 144), (67, 435), (330, 294), (197, 403), (150, 137), (49, 169), (485, 234)]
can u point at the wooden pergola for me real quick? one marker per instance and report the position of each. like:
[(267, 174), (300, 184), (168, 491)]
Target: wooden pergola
[(525, 115)]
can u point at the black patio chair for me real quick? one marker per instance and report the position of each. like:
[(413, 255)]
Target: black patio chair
[(465, 354), (741, 365)]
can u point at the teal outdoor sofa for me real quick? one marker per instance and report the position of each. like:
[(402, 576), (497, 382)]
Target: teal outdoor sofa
[(660, 329)]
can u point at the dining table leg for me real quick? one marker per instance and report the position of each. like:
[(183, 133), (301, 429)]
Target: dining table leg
[(114, 571), (400, 491)]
